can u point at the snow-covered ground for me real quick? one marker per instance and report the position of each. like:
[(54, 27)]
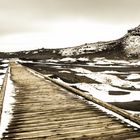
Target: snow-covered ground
[(1, 79), (102, 92), (113, 80), (7, 107), (107, 79)]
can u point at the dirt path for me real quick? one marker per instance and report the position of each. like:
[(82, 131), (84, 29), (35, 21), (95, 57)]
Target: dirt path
[(44, 110)]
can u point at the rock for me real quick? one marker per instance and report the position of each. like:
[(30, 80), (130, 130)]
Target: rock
[(132, 46)]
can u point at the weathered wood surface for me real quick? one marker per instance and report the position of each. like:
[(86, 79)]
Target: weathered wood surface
[(44, 110)]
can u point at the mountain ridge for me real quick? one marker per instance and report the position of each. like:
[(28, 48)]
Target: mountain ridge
[(127, 47)]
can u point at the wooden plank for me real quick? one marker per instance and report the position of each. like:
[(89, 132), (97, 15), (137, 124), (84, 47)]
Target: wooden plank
[(57, 116), (67, 135), (62, 123), (92, 123), (51, 112), (48, 121), (67, 128)]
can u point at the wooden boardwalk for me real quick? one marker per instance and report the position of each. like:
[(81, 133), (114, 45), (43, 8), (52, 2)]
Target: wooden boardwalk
[(45, 111)]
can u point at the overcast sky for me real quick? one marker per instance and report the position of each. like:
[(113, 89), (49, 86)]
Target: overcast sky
[(29, 24)]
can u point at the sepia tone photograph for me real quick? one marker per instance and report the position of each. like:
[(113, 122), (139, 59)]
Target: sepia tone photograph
[(69, 70)]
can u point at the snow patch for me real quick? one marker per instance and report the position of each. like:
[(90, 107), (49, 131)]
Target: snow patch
[(68, 59), (64, 71), (26, 52), (5, 61), (133, 77), (107, 79), (83, 59), (1, 79), (81, 70), (51, 60), (35, 52), (103, 60), (135, 63), (2, 70), (23, 61), (113, 72), (4, 65), (105, 65), (7, 109), (101, 92)]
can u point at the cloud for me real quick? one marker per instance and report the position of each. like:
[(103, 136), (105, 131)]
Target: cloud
[(79, 20)]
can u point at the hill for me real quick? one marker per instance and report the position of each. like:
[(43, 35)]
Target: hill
[(125, 47)]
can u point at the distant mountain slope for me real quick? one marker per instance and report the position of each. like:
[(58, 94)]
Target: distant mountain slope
[(127, 46), (94, 49)]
